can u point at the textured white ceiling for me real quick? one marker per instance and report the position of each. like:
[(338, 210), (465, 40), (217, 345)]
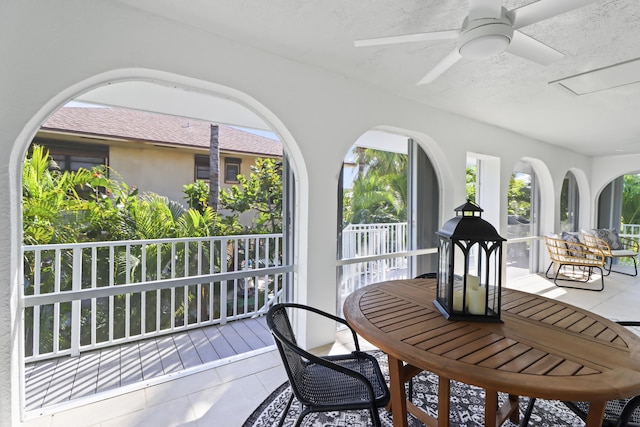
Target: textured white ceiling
[(505, 91)]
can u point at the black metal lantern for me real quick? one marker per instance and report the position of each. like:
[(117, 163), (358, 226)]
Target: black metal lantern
[(469, 279)]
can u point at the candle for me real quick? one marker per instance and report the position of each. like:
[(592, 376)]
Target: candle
[(473, 283), (477, 300), (457, 300)]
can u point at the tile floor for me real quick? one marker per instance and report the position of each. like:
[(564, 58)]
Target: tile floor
[(225, 395)]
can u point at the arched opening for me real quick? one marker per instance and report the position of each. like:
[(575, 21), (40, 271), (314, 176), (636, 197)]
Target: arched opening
[(73, 319), (618, 205), (389, 204)]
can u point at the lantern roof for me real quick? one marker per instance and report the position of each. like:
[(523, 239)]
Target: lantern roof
[(469, 225), (469, 206)]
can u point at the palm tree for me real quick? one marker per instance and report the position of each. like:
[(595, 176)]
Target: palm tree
[(214, 168), (51, 206), (380, 190)]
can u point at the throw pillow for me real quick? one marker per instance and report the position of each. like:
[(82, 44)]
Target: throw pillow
[(569, 238), (609, 235)]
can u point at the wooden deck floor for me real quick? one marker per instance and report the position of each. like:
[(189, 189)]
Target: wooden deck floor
[(60, 380)]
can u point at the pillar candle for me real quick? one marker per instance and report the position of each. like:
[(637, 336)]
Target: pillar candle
[(457, 300), (477, 300), (473, 283)]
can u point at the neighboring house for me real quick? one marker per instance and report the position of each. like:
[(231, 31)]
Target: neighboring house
[(154, 152)]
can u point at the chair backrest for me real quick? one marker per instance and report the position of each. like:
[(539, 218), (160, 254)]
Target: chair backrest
[(570, 253), (294, 364), (595, 242)]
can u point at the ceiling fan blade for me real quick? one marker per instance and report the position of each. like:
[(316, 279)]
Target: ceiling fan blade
[(441, 67), (543, 9), (529, 48), (479, 9), (408, 38)]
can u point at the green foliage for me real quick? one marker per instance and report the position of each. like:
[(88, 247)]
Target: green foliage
[(195, 223), (471, 182), (519, 195), (197, 195), (87, 205), (52, 208), (371, 202), (261, 192), (379, 192), (229, 225), (631, 199)]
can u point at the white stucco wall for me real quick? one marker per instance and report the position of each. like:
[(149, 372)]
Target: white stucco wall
[(70, 47)]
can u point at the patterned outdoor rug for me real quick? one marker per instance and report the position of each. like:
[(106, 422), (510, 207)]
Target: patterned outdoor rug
[(467, 407)]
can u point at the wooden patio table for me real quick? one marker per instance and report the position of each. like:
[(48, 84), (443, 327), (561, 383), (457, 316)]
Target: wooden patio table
[(545, 349)]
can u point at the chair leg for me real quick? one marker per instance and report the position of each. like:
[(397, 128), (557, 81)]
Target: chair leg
[(547, 272), (528, 412), (286, 410), (635, 267), (555, 280), (375, 416), (608, 261), (302, 416)]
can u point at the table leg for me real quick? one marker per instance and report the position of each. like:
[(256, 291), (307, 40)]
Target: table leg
[(398, 395), (514, 401), (490, 407), (595, 414), (444, 391)]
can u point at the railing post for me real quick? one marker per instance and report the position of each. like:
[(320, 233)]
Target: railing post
[(223, 284), (76, 285)]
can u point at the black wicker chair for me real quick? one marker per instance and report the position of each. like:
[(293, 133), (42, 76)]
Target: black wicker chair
[(617, 413), (329, 383)]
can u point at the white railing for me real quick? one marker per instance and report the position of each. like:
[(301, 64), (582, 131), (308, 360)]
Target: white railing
[(84, 296), (371, 253), (630, 230), (360, 240)]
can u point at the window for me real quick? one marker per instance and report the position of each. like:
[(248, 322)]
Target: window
[(231, 169), (569, 203), (71, 156), (522, 221), (202, 167)]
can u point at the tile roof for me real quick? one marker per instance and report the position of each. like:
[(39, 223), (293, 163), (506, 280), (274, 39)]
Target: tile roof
[(152, 127)]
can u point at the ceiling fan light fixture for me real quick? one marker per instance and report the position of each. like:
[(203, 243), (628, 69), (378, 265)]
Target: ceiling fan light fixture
[(485, 39), (484, 46)]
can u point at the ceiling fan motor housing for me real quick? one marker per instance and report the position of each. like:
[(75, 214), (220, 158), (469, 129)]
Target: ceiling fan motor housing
[(483, 38)]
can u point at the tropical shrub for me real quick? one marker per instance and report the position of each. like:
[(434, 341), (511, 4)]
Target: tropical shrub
[(89, 205), (260, 193)]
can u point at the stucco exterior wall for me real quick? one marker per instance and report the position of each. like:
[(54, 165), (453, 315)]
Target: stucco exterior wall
[(165, 171), (70, 47), (154, 169)]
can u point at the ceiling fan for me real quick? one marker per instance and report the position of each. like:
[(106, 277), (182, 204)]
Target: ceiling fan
[(488, 30)]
